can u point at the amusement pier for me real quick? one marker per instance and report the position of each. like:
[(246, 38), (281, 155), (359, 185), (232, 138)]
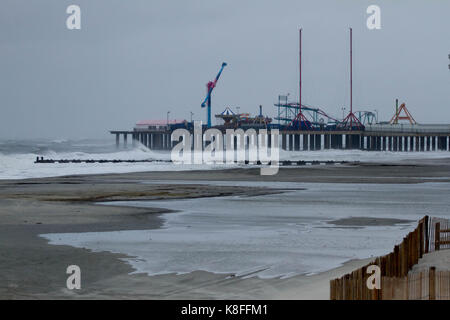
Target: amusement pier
[(303, 127)]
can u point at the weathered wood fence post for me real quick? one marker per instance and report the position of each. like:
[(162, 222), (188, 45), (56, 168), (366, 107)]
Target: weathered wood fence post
[(437, 236), (432, 283)]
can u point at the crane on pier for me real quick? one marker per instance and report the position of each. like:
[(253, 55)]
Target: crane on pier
[(209, 88)]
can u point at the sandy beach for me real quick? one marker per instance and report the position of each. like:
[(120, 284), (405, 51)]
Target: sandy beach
[(30, 268)]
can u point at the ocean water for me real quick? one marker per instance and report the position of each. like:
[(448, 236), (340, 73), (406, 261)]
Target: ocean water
[(270, 236), (17, 158), (265, 236)]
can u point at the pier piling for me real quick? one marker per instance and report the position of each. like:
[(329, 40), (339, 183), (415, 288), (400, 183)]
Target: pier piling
[(303, 140)]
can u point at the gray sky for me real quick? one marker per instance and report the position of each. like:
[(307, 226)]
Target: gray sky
[(136, 59)]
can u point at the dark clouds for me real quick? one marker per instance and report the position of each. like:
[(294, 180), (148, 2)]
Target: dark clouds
[(135, 60)]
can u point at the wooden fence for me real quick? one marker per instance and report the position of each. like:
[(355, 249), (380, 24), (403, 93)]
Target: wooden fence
[(440, 232), (425, 285), (396, 280)]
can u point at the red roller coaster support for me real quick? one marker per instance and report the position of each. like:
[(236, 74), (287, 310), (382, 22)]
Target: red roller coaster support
[(351, 121), (300, 117), (397, 116)]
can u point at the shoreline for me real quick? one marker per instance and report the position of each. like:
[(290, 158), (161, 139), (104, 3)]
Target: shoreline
[(31, 268), (34, 269), (386, 171)]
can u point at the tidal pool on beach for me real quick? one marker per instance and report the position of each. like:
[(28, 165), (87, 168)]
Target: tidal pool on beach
[(312, 227)]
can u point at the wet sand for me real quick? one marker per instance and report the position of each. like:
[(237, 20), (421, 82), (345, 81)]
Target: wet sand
[(365, 222), (32, 269)]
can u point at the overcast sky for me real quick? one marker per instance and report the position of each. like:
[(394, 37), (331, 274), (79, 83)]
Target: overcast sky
[(137, 59)]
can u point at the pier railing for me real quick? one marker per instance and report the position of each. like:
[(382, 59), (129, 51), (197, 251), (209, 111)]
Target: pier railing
[(397, 280)]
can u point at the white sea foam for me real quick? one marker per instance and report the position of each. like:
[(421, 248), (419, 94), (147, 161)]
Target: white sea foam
[(21, 165), (17, 158), (361, 155)]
